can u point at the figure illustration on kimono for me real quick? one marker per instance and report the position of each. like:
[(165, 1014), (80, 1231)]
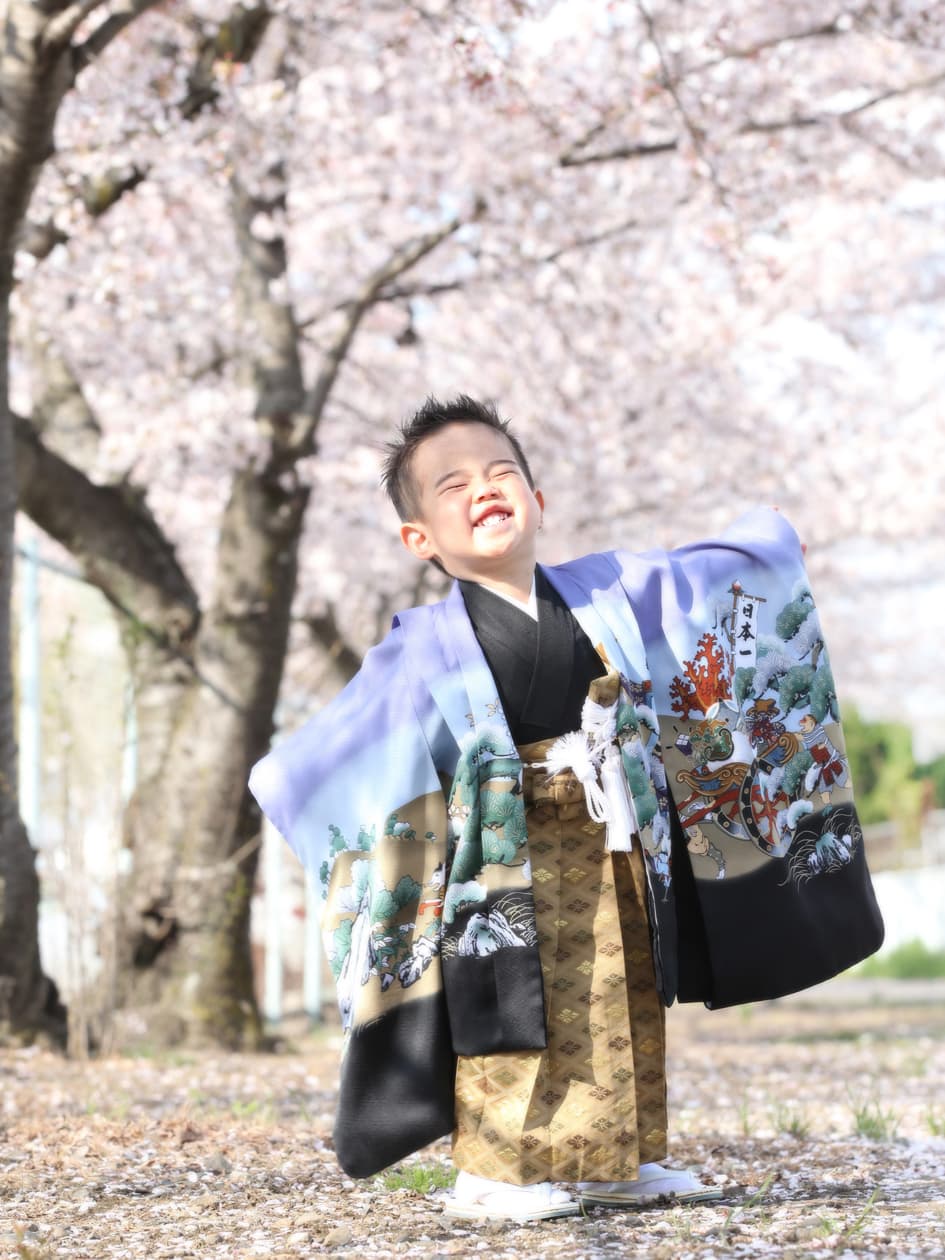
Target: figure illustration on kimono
[(698, 842), (548, 806), (830, 769)]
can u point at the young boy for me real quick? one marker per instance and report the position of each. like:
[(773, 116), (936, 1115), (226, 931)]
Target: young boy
[(492, 805)]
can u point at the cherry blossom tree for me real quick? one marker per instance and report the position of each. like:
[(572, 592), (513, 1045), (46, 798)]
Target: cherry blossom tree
[(206, 672), (47, 43), (685, 247)]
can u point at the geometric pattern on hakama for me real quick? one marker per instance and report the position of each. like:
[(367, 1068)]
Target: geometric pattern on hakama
[(592, 1105)]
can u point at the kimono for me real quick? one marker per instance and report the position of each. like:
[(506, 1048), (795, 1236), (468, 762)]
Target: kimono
[(404, 794)]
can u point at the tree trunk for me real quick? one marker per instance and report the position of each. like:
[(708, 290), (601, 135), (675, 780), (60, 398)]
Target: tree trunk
[(205, 692), (206, 685), (28, 97), (185, 968), (38, 64), (29, 1002)]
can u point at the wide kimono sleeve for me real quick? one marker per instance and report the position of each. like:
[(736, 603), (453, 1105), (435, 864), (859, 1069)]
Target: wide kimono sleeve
[(358, 795), (769, 876)]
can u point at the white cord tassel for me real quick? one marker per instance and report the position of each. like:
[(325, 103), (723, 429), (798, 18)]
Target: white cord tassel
[(622, 820), (593, 756), (600, 723)]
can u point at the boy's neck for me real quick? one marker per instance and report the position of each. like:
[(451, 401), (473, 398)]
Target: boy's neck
[(516, 594), (516, 585)]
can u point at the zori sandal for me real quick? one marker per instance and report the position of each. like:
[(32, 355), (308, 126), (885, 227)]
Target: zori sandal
[(479, 1199), (653, 1184)]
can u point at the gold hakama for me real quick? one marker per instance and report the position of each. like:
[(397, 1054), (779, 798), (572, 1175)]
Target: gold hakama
[(592, 1105)]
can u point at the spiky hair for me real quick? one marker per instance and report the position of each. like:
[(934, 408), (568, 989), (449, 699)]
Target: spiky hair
[(397, 476)]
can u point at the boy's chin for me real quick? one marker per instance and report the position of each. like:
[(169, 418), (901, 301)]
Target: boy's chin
[(497, 550)]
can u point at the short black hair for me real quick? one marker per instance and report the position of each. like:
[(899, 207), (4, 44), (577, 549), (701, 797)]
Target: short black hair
[(397, 475)]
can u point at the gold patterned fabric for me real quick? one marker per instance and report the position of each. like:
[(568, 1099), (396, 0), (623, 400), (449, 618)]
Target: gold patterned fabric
[(592, 1106)]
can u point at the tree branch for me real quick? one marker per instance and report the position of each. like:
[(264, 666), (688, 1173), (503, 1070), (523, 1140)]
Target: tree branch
[(106, 31), (343, 658), (235, 39), (587, 242), (625, 152), (400, 261), (671, 85), (40, 237), (60, 29), (61, 412), (572, 156), (276, 365), (750, 51), (395, 294), (112, 535), (829, 116)]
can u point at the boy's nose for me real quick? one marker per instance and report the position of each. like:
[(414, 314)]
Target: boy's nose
[(485, 490)]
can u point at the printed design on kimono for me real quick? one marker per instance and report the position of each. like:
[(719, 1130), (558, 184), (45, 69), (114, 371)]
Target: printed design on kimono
[(764, 772), (487, 901), (461, 886), (384, 898), (642, 758)]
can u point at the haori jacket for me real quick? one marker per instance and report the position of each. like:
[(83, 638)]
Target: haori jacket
[(404, 795)]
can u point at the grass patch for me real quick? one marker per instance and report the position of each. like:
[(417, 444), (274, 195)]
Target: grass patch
[(912, 960), (744, 1117), (871, 1121), (739, 1208), (826, 1034), (827, 1226), (251, 1108), (152, 1052), (423, 1178), (914, 1065), (788, 1120), (860, 1220)]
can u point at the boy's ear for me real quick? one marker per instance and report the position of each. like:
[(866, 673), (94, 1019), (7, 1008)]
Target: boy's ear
[(416, 540)]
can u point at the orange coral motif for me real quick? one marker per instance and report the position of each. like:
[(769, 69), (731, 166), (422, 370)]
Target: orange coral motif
[(708, 679)]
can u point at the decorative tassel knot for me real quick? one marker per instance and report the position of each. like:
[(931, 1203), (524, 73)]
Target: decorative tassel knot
[(592, 755)]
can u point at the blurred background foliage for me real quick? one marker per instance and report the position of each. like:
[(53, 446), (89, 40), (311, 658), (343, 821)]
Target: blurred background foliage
[(890, 785)]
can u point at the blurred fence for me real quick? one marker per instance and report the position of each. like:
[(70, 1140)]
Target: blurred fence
[(888, 848), (909, 878), (912, 901), (291, 974)]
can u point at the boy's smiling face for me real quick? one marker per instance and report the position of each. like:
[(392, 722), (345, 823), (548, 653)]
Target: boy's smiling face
[(476, 513)]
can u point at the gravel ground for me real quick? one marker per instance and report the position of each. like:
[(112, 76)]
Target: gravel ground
[(822, 1118)]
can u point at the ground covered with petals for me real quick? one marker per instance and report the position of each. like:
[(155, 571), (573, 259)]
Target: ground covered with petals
[(821, 1118)]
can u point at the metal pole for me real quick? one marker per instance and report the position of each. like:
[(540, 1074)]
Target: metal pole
[(30, 717), (312, 966), (129, 752), (272, 922)]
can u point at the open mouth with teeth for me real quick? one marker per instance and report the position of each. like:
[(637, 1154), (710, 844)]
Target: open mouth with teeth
[(492, 519)]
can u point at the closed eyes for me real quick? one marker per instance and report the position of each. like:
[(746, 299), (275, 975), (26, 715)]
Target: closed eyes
[(497, 475)]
